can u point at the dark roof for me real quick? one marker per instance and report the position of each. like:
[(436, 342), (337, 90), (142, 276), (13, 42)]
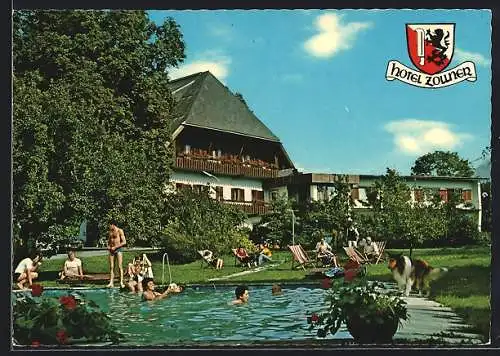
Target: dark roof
[(203, 101)]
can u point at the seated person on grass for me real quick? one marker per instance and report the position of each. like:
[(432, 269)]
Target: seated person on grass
[(371, 249), (26, 271), (264, 254), (325, 253), (72, 267), (243, 257), (212, 260)]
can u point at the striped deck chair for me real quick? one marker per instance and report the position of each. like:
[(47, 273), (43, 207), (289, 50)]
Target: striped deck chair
[(381, 249), (354, 255), (300, 256)]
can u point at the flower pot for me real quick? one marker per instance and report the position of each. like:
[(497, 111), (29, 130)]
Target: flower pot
[(366, 332)]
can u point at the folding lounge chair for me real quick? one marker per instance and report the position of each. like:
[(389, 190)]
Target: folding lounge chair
[(238, 258), (381, 249), (203, 260), (300, 256), (355, 255)]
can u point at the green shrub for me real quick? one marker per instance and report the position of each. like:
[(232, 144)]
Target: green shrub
[(197, 222)]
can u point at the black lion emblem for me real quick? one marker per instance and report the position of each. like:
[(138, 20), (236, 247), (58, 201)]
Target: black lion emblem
[(440, 42)]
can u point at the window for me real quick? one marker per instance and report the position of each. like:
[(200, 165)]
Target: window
[(274, 195), (418, 194), (257, 195), (237, 194), (443, 194), (219, 193), (467, 195)]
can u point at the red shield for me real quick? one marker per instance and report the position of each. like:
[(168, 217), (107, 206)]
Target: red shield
[(430, 46)]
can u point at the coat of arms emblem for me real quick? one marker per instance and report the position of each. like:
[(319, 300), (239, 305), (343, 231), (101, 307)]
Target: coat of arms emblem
[(430, 48)]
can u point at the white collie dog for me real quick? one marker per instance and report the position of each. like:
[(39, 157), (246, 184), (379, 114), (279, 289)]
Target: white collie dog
[(408, 272)]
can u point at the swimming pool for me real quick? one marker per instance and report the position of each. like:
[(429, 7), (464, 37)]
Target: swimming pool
[(203, 315)]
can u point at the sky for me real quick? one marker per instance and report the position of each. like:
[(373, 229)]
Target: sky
[(316, 79)]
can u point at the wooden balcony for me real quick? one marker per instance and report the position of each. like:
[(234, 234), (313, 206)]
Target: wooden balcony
[(230, 169), (251, 208)]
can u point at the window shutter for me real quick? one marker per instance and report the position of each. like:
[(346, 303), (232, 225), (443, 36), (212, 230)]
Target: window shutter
[(355, 193)]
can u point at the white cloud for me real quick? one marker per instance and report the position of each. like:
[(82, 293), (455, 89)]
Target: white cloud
[(333, 36), (477, 58), (416, 137), (213, 61)]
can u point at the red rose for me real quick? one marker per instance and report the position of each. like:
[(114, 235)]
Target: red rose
[(326, 283), (61, 337), (35, 343), (349, 275), (68, 301), (314, 317), (36, 290)]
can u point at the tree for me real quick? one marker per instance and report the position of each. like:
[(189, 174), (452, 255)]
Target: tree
[(396, 217), (92, 112), (277, 224), (330, 216), (442, 163), (195, 221)]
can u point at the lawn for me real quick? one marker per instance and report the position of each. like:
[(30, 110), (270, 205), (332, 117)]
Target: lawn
[(465, 288)]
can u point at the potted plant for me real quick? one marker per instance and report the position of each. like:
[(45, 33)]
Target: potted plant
[(50, 320), (371, 313)]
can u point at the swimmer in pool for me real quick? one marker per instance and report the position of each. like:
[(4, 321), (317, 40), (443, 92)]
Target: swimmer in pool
[(150, 293), (241, 293), (276, 289), (174, 288)]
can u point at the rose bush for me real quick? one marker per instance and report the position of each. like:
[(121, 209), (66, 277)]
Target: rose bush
[(49, 320)]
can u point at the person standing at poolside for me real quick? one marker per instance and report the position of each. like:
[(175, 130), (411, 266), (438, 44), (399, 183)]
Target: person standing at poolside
[(242, 295), (116, 241)]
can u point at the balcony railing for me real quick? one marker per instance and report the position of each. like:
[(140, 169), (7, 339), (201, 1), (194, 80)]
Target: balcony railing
[(218, 167), (251, 208)]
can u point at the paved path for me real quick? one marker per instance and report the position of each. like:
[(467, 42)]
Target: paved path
[(428, 318), (253, 270)]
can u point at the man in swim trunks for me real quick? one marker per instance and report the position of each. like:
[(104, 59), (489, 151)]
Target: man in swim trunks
[(116, 241)]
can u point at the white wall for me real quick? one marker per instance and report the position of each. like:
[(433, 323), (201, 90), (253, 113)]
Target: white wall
[(313, 192), (225, 182)]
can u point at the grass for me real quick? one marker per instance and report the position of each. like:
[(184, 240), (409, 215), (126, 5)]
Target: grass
[(465, 288)]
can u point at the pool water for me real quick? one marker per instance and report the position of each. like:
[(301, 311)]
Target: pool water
[(204, 315)]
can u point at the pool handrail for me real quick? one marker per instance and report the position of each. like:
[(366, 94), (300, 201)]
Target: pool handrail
[(163, 269)]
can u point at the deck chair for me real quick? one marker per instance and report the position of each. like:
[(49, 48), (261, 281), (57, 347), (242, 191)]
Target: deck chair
[(238, 258), (355, 255), (300, 256), (204, 262), (381, 250)]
